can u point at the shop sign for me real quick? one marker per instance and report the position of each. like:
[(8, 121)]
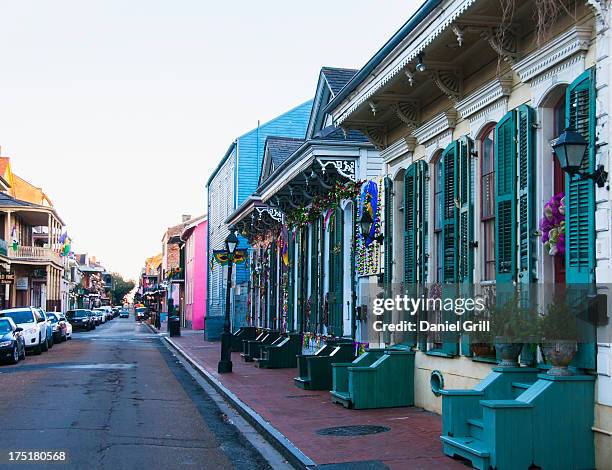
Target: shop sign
[(6, 278)]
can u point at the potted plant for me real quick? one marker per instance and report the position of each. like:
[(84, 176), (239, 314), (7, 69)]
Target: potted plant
[(559, 333), (513, 323)]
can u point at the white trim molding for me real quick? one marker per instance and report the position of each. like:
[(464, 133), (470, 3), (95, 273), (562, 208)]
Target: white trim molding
[(492, 113), (445, 121), (398, 149), (575, 40), (484, 96)]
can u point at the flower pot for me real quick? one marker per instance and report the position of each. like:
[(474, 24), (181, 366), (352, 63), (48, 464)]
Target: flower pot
[(559, 354), (483, 350), (508, 351)]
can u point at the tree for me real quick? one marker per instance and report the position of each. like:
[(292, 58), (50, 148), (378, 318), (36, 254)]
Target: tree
[(121, 288)]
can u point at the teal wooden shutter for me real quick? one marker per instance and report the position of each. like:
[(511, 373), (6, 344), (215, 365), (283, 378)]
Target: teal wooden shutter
[(314, 276), (580, 194), (388, 232), (580, 210), (449, 214), (336, 273), (527, 271), (302, 278), (465, 202), (410, 271), (505, 201)]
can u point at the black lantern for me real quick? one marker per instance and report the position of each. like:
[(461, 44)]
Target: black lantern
[(231, 242), (365, 224), (570, 149)]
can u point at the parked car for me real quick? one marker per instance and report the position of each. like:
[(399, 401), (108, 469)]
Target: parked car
[(140, 313), (81, 319), (12, 343), (95, 318), (63, 318), (124, 313), (59, 327), (50, 340), (34, 326), (101, 313), (116, 312)]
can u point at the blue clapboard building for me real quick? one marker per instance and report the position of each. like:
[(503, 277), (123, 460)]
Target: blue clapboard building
[(235, 179)]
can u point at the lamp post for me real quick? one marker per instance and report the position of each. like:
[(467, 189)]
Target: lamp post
[(225, 364)]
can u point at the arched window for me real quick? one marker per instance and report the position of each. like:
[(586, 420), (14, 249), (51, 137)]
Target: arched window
[(487, 198)]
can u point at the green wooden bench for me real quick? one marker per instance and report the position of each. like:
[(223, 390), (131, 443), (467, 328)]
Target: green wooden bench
[(252, 348), (243, 333), (516, 418), (376, 379), (315, 370), (281, 354)]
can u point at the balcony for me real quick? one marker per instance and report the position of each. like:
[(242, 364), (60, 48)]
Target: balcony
[(34, 254)]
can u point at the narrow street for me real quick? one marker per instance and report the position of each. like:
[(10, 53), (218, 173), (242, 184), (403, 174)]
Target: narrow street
[(116, 398)]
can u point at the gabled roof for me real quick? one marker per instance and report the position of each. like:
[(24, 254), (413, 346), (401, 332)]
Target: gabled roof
[(9, 201), (337, 78), (276, 151)]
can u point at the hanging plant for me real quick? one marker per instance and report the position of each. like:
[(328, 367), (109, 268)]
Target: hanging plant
[(552, 225)]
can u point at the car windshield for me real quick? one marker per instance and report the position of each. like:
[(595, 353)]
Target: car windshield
[(19, 316), (52, 317), (5, 327)]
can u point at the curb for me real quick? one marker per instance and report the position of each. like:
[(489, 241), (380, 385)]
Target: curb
[(278, 440)]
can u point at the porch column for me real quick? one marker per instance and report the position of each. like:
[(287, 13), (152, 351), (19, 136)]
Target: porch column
[(7, 227), (49, 229)]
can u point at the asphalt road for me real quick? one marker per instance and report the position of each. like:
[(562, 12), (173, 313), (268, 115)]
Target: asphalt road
[(116, 398)]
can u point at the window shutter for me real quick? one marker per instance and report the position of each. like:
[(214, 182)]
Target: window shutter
[(388, 233), (526, 194), (336, 273), (410, 272), (505, 201), (314, 276), (580, 194), (291, 272), (449, 213), (466, 211)]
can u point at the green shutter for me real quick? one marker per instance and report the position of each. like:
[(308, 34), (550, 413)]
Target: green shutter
[(388, 233), (527, 271), (336, 273), (449, 213), (505, 201), (314, 276), (466, 211), (410, 272), (580, 209), (302, 278), (580, 194)]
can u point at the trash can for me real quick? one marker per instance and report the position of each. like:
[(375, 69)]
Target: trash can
[(174, 326)]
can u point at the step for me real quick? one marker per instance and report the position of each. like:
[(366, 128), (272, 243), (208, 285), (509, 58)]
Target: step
[(470, 448), (341, 398), (520, 387), (302, 382), (476, 427), (246, 357)]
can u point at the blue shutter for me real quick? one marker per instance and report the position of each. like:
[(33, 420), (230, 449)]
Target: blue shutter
[(449, 214)]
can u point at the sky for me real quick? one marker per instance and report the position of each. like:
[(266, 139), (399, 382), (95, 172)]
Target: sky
[(121, 109)]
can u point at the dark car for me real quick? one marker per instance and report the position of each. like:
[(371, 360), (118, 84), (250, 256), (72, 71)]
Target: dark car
[(80, 319), (59, 327), (12, 342)]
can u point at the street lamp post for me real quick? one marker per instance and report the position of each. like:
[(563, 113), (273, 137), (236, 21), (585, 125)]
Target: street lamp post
[(225, 364)]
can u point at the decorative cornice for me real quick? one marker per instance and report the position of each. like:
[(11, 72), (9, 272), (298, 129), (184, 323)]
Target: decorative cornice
[(576, 40), (344, 168), (449, 82), (376, 135), (484, 96), (408, 113), (442, 122)]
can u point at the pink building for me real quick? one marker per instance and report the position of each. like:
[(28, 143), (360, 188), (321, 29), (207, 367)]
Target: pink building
[(194, 235)]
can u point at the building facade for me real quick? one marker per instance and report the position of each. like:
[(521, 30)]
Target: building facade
[(233, 181), (196, 272)]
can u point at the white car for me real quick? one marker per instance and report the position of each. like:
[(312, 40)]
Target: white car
[(34, 326), (63, 318), (101, 313)]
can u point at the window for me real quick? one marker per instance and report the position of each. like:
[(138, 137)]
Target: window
[(487, 198)]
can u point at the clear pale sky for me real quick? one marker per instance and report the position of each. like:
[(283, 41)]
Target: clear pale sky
[(120, 109)]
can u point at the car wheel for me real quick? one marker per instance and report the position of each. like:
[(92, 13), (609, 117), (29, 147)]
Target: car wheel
[(43, 345), (14, 359), (23, 353), (50, 342)]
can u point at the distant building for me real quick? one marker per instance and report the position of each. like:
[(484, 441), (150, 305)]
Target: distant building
[(196, 272)]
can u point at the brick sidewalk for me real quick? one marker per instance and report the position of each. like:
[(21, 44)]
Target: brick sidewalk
[(413, 441)]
